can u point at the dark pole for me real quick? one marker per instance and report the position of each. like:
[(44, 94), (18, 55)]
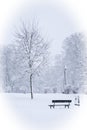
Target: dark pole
[(65, 82), (65, 76)]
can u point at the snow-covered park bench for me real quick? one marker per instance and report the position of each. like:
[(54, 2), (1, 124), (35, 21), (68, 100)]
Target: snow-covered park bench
[(65, 103)]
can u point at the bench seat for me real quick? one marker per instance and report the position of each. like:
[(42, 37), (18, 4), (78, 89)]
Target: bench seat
[(65, 103)]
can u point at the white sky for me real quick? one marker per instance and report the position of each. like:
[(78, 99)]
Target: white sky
[(56, 20)]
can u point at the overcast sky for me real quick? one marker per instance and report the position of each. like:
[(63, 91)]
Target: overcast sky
[(55, 22)]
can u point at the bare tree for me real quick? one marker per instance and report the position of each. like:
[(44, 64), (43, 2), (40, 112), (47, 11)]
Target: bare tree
[(34, 48)]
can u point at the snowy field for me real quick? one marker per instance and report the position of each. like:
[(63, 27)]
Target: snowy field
[(19, 112)]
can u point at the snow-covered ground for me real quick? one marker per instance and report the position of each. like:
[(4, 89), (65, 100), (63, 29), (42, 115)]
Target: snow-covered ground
[(19, 112)]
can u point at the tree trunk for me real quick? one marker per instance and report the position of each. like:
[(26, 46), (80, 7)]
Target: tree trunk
[(31, 90)]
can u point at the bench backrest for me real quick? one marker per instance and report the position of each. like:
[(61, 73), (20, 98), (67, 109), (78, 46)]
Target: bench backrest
[(61, 101)]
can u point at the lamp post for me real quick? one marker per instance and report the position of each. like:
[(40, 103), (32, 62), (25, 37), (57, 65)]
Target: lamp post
[(65, 81), (65, 76)]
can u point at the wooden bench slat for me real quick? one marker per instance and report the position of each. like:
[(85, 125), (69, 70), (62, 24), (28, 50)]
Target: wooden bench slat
[(56, 101)]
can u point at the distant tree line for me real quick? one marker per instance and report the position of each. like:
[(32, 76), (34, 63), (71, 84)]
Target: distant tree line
[(26, 67)]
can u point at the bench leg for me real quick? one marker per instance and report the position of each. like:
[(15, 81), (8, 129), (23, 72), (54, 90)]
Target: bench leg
[(67, 106), (50, 107), (53, 106)]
